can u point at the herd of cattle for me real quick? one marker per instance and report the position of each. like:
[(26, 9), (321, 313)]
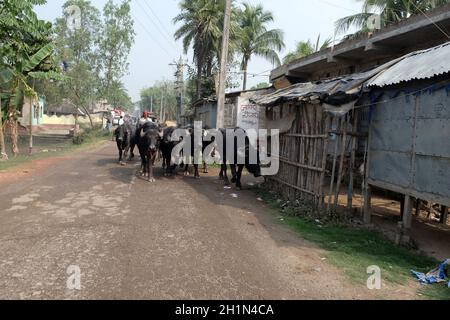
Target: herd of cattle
[(155, 141)]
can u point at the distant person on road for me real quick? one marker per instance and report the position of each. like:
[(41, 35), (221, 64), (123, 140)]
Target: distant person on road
[(145, 118), (108, 124)]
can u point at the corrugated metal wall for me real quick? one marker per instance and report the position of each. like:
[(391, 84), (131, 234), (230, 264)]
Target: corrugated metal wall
[(410, 144)]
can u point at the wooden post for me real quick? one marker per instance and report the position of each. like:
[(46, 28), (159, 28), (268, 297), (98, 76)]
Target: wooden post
[(367, 204), (341, 163), (402, 208), (333, 173), (407, 212), (324, 162), (444, 215), (367, 210), (352, 161), (407, 220)]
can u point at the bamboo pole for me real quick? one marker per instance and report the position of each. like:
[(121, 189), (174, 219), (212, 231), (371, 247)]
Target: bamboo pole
[(314, 156), (308, 148), (341, 164), (303, 144), (324, 161), (352, 162), (333, 172)]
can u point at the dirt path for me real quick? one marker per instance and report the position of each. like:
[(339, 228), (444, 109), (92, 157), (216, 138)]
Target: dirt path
[(178, 238)]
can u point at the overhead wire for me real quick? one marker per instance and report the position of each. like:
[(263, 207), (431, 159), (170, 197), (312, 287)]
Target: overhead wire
[(435, 24), (392, 10), (151, 36), (158, 19), (156, 25)]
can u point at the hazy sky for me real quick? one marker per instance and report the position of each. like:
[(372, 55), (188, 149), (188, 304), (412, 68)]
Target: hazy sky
[(155, 49)]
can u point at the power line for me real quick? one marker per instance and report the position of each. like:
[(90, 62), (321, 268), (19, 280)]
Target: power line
[(157, 18), (156, 41), (436, 25), (391, 10), (356, 11), (395, 98), (252, 74), (155, 25)]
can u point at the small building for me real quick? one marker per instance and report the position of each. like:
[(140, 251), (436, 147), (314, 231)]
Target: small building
[(205, 110), (37, 112), (392, 121), (409, 135), (240, 110)]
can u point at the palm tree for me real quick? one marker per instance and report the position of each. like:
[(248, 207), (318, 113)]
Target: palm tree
[(254, 38), (201, 29), (390, 11), (306, 48)]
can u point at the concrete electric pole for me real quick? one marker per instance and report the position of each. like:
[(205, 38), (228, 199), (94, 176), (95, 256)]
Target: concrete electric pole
[(223, 67), (179, 86), (151, 104)]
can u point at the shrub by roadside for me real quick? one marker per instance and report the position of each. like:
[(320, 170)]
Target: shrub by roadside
[(90, 135), (86, 138), (353, 248)]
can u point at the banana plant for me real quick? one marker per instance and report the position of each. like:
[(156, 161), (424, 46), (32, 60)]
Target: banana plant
[(18, 81)]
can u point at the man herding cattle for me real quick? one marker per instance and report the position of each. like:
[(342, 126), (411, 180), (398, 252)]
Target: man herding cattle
[(194, 145)]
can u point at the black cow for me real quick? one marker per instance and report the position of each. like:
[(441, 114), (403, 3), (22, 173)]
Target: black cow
[(166, 147), (125, 139), (236, 169), (205, 144), (149, 138)]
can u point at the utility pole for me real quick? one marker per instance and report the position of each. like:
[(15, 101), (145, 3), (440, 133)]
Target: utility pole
[(151, 104), (223, 67), (162, 115), (179, 86)]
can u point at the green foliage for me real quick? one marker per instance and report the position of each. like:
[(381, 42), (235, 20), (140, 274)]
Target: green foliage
[(262, 85), (391, 11), (201, 29), (201, 25), (96, 55), (162, 93), (306, 48), (90, 135), (116, 40), (254, 38), (353, 249), (118, 96), (26, 50), (78, 49)]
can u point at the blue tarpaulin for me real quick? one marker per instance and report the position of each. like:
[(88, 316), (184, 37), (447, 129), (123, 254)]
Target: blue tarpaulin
[(440, 274)]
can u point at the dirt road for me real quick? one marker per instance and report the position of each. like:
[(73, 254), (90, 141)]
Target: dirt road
[(175, 239)]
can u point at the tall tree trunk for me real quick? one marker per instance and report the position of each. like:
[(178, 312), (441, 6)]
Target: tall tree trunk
[(3, 155), (89, 116), (199, 80), (30, 141), (245, 67), (14, 133), (86, 111)]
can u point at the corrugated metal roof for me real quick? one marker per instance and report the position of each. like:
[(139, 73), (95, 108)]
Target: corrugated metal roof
[(419, 65), (423, 64), (335, 91)]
